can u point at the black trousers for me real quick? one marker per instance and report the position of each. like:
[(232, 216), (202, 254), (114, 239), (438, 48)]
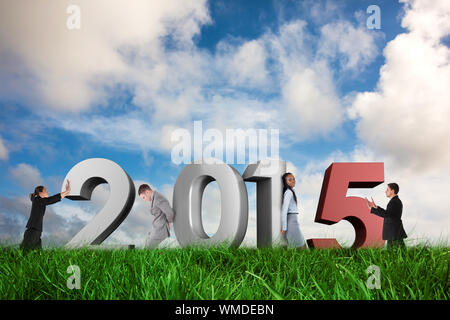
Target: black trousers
[(395, 243), (31, 239)]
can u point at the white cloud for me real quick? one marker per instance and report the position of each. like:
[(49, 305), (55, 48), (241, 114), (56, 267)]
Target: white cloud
[(244, 65), (130, 131), (322, 11), (312, 101), (166, 142), (290, 167), (73, 69), (407, 115), (169, 85), (355, 47), (167, 191), (27, 176), (428, 19), (4, 153)]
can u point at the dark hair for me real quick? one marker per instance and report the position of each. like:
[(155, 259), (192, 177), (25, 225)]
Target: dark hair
[(285, 185), (143, 187), (394, 187), (36, 192)]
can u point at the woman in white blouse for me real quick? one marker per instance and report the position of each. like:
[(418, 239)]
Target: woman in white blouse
[(289, 214)]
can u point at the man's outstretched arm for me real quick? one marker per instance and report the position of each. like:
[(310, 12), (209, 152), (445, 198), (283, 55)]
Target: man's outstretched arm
[(379, 212)]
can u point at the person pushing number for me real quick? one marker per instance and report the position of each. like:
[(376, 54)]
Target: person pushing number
[(40, 200)]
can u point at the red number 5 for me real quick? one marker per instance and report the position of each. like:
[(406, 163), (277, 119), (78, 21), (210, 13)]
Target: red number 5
[(334, 205)]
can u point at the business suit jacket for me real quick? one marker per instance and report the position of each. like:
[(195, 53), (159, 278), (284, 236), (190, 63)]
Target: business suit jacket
[(38, 210), (163, 214), (392, 225)]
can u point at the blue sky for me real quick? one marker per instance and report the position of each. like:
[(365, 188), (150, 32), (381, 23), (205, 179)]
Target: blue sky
[(115, 89)]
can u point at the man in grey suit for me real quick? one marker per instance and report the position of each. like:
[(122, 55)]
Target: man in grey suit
[(162, 212)]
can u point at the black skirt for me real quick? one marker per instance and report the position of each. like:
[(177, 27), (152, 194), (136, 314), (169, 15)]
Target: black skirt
[(31, 239)]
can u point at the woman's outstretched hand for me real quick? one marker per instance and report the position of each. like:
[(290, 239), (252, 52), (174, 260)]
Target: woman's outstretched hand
[(65, 193)]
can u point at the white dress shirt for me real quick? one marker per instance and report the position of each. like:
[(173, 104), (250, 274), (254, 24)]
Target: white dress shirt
[(289, 205)]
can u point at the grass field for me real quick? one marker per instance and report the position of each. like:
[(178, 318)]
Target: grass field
[(222, 273)]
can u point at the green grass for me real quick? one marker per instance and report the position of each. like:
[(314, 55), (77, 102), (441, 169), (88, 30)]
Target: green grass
[(222, 273)]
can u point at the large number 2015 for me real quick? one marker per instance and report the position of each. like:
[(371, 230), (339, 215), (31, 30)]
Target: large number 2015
[(333, 204)]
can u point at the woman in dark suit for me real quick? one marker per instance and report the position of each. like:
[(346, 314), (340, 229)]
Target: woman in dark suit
[(40, 200)]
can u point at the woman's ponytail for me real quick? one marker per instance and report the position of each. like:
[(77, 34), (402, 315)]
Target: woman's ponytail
[(36, 192)]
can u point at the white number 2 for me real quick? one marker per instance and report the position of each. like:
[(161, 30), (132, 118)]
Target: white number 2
[(87, 175)]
